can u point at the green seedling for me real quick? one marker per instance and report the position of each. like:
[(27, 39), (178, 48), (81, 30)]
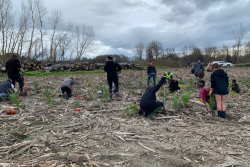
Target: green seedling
[(105, 92), (14, 98), (191, 82), (189, 88), (100, 105), (78, 103), (90, 93), (129, 82), (185, 96), (130, 110), (89, 82), (36, 85), (48, 94), (132, 91), (211, 102), (143, 80), (176, 101)]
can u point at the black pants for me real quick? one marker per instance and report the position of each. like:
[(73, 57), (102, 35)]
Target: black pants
[(174, 89), (116, 85), (149, 110), (67, 90), (17, 78)]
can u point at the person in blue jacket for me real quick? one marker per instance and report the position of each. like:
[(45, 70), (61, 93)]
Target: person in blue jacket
[(219, 86), (198, 67)]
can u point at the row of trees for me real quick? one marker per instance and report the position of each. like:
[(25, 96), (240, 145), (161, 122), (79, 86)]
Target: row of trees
[(238, 53), (35, 34)]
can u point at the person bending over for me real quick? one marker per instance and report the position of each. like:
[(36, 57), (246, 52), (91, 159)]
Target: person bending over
[(174, 85), (148, 104), (235, 86), (67, 86), (6, 87)]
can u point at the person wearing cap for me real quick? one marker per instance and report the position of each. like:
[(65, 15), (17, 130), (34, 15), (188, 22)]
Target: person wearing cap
[(151, 72), (112, 68), (13, 66), (6, 87), (67, 86), (169, 76)]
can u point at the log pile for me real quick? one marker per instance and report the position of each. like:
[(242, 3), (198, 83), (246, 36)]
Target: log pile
[(38, 66)]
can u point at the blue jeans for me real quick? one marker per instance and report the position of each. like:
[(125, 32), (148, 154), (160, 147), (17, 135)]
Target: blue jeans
[(149, 77)]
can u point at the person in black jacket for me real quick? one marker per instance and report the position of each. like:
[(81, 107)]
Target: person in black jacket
[(235, 86), (13, 67), (174, 85), (219, 86), (151, 72), (148, 104), (111, 68)]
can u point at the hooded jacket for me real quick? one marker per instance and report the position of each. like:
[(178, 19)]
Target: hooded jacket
[(151, 69), (219, 82), (198, 67), (149, 97), (12, 66), (111, 68), (5, 87)]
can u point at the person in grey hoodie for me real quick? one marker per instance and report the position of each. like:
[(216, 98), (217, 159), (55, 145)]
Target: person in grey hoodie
[(219, 86), (198, 67)]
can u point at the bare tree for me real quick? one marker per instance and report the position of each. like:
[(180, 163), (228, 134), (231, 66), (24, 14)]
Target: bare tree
[(139, 49), (55, 22), (170, 52), (41, 11), (154, 49), (238, 38), (6, 23), (84, 36), (185, 50)]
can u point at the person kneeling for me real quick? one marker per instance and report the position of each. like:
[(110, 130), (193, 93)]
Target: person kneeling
[(67, 86), (174, 85), (148, 104), (6, 87), (235, 86)]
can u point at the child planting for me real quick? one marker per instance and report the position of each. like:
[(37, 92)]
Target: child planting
[(205, 92), (67, 86), (219, 86), (174, 85), (235, 86)]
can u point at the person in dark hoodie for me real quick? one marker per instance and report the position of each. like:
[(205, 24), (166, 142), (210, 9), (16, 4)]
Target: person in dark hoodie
[(235, 86), (67, 86), (219, 86), (151, 72), (13, 66), (148, 104), (174, 85), (111, 68), (198, 67), (6, 87)]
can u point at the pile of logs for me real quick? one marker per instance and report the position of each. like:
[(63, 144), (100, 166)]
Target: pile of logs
[(38, 66)]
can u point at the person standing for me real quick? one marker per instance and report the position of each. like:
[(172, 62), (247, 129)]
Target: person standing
[(111, 68), (198, 67), (219, 86), (13, 66), (151, 72), (67, 86), (169, 76)]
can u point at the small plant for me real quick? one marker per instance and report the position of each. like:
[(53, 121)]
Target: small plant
[(130, 110), (132, 91), (230, 87), (90, 93), (161, 92), (78, 103), (188, 88), (191, 82), (181, 81), (129, 82), (50, 98), (176, 101), (211, 102), (185, 96), (89, 82), (105, 92), (36, 85), (14, 98), (100, 105), (143, 80)]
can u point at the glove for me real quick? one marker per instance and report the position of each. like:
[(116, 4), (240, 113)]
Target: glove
[(210, 93)]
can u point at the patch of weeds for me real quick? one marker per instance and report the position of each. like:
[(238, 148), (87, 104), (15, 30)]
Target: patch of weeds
[(8, 128), (122, 88), (189, 88), (97, 88), (143, 80), (14, 98), (181, 81), (36, 85), (176, 101), (130, 110), (191, 82), (185, 96), (132, 91), (89, 82), (100, 105), (105, 93), (77, 103), (129, 81)]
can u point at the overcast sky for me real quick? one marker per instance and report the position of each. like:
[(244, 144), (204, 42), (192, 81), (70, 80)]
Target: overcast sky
[(120, 24)]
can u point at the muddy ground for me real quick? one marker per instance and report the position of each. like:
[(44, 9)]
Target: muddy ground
[(99, 135)]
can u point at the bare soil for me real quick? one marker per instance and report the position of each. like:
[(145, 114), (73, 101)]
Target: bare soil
[(41, 135)]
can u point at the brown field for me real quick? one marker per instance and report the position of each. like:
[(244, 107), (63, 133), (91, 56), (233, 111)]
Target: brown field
[(57, 136)]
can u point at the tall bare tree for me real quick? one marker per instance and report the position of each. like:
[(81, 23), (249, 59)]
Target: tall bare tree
[(238, 39), (154, 49), (139, 49), (6, 23), (41, 11), (84, 36)]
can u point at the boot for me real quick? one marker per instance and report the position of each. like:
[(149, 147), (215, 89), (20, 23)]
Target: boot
[(223, 114), (219, 113), (151, 116)]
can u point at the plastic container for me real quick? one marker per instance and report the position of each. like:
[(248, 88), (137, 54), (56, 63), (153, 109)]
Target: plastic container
[(10, 112)]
